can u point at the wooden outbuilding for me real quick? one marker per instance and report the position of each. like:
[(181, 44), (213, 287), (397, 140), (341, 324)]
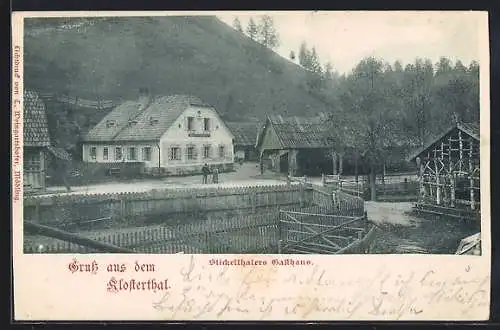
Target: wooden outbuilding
[(449, 171), (37, 148), (298, 146), (245, 135)]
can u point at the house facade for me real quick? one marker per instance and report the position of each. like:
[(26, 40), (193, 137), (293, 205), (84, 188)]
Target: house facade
[(449, 168), (245, 136), (175, 134)]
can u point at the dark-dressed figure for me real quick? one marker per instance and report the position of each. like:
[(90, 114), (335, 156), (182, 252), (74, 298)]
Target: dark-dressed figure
[(205, 171), (215, 175)]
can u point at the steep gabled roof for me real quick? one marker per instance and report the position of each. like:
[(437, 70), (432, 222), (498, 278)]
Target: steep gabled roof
[(35, 124), (245, 134), (301, 132), (471, 129), (134, 121)]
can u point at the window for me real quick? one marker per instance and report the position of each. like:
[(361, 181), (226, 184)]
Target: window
[(146, 154), (118, 153), (207, 151), (190, 152), (93, 153), (132, 153), (190, 123), (206, 124), (175, 153), (222, 151), (105, 153)]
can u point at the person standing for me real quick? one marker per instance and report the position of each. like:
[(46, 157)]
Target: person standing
[(205, 171), (215, 175)]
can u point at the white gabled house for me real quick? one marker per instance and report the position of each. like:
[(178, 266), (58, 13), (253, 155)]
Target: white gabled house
[(175, 134)]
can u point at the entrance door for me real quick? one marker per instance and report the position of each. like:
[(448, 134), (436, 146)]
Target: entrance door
[(284, 163)]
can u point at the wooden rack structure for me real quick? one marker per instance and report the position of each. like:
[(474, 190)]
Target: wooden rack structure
[(449, 171)]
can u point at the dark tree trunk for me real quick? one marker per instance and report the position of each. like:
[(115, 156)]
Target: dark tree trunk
[(373, 186)]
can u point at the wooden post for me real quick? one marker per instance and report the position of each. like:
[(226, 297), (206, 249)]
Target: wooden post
[(460, 148), (472, 203), (452, 188), (449, 156), (421, 177), (438, 187), (356, 160), (334, 162), (323, 180), (442, 150), (341, 161), (451, 175), (42, 170), (383, 173)]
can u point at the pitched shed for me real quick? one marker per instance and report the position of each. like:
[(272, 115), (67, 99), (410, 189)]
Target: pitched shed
[(296, 133), (245, 134), (471, 129), (35, 130), (139, 121)]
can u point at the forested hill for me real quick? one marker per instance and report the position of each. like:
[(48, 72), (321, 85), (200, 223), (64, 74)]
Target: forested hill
[(112, 58)]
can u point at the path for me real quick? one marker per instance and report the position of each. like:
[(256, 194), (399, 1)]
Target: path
[(402, 232), (245, 175)]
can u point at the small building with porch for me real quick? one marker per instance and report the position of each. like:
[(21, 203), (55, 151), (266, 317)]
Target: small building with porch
[(298, 146), (449, 172)]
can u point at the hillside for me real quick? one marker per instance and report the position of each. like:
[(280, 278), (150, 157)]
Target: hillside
[(111, 58)]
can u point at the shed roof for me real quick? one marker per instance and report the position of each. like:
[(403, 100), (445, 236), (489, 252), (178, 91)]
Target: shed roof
[(35, 123), (301, 132), (245, 134), (471, 129), (139, 121)]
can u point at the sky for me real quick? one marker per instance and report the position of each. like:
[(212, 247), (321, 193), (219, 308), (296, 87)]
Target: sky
[(344, 38)]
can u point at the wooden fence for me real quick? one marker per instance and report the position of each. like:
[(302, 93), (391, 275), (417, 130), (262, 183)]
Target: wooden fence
[(228, 220), (79, 102), (388, 186), (158, 205)]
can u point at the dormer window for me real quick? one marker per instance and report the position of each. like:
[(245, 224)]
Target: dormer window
[(206, 124), (153, 120), (190, 123), (110, 123), (132, 122)]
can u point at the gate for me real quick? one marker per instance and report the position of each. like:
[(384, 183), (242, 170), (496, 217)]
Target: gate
[(312, 233)]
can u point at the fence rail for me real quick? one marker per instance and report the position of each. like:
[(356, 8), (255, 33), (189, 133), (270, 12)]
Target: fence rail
[(387, 186), (307, 233), (79, 102)]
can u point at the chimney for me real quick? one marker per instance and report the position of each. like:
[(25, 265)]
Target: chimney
[(144, 98)]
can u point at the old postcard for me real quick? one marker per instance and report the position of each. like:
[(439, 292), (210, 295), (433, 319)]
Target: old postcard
[(251, 165)]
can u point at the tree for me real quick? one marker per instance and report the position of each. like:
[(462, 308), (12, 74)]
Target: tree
[(373, 124), (267, 32), (328, 71), (292, 55), (304, 58), (237, 25), (443, 66), (417, 86), (252, 30), (315, 65)]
